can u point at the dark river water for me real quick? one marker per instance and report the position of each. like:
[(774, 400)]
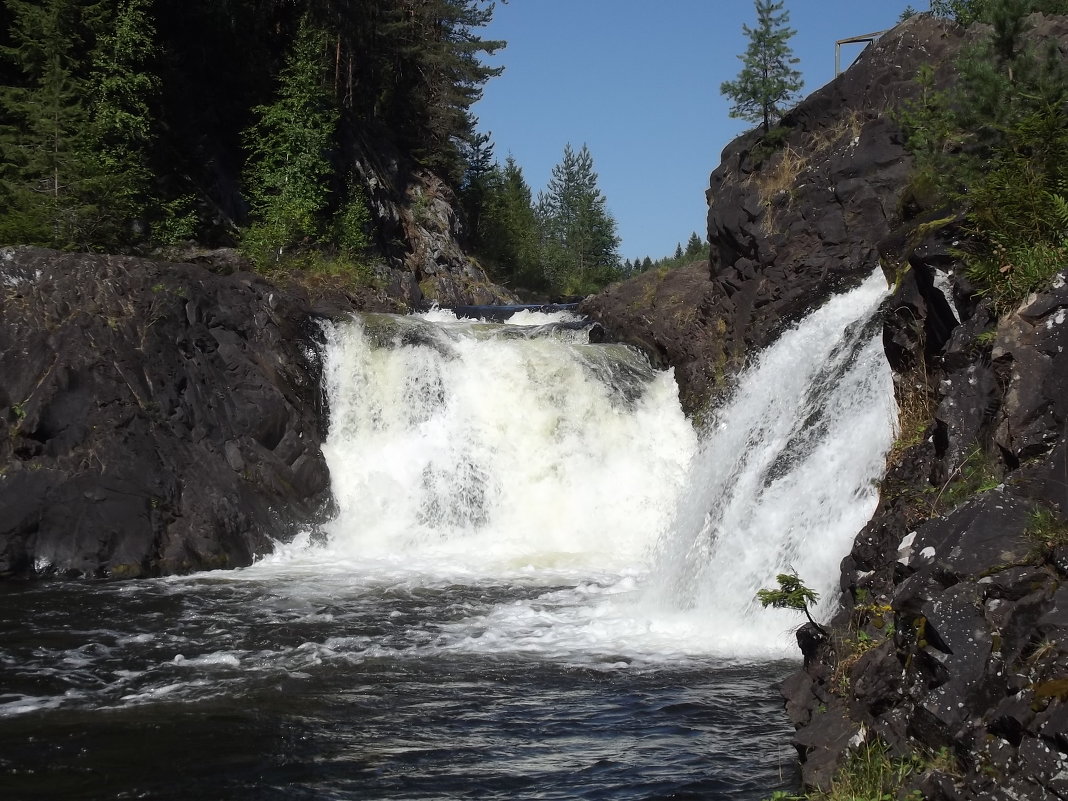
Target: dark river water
[(269, 687)]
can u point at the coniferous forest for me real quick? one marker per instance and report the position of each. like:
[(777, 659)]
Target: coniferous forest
[(127, 125)]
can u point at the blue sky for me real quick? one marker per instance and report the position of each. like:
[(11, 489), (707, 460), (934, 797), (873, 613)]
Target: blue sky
[(638, 81)]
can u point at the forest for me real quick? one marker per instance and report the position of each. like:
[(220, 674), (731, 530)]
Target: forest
[(129, 125)]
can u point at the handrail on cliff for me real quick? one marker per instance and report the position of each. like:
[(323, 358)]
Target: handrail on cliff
[(867, 38)]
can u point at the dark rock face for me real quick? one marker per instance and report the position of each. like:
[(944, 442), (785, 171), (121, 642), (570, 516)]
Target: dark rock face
[(154, 417), (420, 231), (789, 225), (671, 315)]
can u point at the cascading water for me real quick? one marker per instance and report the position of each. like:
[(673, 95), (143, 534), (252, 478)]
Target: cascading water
[(489, 448), (786, 474), (539, 584), (460, 448)]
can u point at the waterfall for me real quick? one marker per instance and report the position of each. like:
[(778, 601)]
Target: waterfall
[(786, 474), (467, 453), (487, 448)]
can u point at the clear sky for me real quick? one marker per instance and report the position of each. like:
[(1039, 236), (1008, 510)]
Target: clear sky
[(638, 81)]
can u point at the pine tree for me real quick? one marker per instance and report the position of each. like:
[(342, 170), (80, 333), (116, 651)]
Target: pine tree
[(289, 149), (507, 235), (120, 131), (436, 74), (768, 79), (42, 137), (578, 234)]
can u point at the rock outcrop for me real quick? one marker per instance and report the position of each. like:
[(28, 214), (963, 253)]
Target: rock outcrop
[(419, 232), (794, 217), (154, 417)]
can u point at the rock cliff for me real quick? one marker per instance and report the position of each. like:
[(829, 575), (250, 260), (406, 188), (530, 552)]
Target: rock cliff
[(949, 652), (154, 417), (419, 233), (789, 223)]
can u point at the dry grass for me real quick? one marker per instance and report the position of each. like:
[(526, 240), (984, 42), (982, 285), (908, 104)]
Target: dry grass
[(777, 181), (914, 411), (851, 123)]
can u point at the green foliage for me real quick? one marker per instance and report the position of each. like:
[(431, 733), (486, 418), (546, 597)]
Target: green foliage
[(1047, 529), (43, 137), (75, 131), (978, 473), (930, 133), (696, 250), (177, 221), (963, 11), (507, 235), (791, 594), (435, 76), (289, 149), (577, 233), (968, 11), (352, 224), (872, 773), (998, 145), (768, 80), (907, 13), (120, 131), (122, 121)]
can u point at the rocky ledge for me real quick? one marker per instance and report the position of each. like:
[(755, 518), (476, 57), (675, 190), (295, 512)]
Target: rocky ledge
[(154, 417)]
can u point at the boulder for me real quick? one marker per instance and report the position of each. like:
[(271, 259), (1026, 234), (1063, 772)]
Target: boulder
[(154, 417)]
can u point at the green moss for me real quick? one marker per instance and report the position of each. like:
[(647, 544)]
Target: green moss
[(1047, 530)]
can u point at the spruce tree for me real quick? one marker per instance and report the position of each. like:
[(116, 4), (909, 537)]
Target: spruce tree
[(289, 146), (43, 131), (508, 230), (121, 128), (578, 233), (768, 80), (695, 246)]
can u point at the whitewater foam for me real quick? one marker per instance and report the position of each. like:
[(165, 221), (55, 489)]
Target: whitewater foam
[(463, 454)]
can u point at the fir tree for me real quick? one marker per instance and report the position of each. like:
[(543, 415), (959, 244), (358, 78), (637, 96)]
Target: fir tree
[(43, 136), (289, 155), (768, 79), (578, 234)]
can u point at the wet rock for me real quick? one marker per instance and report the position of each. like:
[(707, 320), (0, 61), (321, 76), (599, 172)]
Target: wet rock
[(983, 533)]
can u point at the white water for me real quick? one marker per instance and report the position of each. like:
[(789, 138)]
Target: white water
[(476, 454)]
